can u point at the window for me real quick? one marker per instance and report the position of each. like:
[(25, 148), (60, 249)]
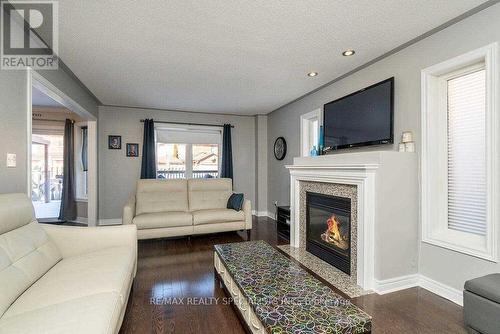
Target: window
[(189, 152), (459, 154), (81, 161), (309, 131)]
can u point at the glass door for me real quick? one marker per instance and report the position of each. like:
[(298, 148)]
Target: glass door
[(46, 175)]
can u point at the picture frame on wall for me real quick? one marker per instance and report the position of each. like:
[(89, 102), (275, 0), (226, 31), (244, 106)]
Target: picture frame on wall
[(132, 150), (114, 142)]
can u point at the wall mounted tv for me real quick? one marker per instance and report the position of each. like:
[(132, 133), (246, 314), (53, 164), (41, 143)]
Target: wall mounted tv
[(362, 118)]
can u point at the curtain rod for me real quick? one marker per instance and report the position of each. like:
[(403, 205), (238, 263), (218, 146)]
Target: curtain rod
[(182, 123), (52, 120)]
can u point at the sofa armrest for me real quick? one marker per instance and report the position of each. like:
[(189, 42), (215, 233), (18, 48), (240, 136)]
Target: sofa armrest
[(129, 211), (72, 241), (247, 208)]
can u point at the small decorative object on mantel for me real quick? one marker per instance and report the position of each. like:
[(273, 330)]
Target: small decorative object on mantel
[(314, 151), (410, 147), (321, 144), (280, 148), (114, 142), (407, 144), (407, 137), (132, 150)]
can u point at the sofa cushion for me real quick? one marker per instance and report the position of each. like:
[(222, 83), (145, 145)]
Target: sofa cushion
[(161, 196), (163, 219), (103, 271), (217, 216), (487, 287), (26, 254), (209, 193), (96, 314)]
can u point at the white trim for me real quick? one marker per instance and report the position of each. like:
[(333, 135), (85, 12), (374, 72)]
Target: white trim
[(110, 221), (262, 214), (395, 284), (363, 177), (409, 281), (305, 123), (442, 290), (432, 142), (92, 177)]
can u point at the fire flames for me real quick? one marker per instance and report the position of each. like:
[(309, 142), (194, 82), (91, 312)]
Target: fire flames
[(332, 234)]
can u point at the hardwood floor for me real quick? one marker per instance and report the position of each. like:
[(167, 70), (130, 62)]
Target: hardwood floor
[(175, 291)]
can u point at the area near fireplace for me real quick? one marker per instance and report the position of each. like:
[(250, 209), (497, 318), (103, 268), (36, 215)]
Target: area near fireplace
[(343, 207)]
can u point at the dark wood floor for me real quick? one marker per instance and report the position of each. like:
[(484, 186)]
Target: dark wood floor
[(179, 270)]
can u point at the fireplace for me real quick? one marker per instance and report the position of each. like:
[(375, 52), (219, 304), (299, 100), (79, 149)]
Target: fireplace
[(328, 229)]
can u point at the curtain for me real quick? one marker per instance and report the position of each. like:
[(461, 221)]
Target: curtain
[(67, 211), (227, 153), (84, 149), (148, 167)]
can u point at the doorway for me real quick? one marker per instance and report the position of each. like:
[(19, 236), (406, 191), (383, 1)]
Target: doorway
[(62, 156)]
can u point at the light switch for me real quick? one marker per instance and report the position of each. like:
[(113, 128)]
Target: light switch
[(11, 160)]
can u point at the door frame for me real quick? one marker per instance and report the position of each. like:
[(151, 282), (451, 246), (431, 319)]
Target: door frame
[(39, 82)]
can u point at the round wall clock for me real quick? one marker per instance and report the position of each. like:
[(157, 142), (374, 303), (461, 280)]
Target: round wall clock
[(280, 148)]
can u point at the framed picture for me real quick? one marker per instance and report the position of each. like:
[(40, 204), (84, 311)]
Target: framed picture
[(132, 150), (115, 142)]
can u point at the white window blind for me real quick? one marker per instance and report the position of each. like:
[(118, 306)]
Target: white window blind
[(467, 193)]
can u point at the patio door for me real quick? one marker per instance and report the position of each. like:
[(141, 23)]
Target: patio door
[(46, 174)]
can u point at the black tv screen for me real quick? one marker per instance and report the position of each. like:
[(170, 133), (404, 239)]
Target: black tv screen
[(361, 118)]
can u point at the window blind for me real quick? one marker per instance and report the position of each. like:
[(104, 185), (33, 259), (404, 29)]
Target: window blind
[(467, 193)]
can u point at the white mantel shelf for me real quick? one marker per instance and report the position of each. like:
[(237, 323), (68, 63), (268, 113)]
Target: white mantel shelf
[(387, 191)]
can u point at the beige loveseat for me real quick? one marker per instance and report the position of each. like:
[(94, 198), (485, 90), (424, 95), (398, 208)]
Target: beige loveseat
[(168, 208), (59, 279)]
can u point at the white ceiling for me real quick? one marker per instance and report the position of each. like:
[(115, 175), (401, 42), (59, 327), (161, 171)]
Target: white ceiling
[(239, 57)]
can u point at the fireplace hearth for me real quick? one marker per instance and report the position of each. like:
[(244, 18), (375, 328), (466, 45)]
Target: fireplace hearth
[(328, 229)]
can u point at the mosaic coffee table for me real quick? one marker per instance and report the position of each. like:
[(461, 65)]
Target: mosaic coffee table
[(276, 295)]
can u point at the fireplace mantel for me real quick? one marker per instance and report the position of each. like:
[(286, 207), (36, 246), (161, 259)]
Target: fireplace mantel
[(382, 178)]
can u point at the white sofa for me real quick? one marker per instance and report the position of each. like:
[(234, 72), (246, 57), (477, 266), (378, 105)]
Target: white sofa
[(168, 208), (57, 279)]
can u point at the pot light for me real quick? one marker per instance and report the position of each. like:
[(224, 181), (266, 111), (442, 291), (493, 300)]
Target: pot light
[(312, 74), (348, 53)]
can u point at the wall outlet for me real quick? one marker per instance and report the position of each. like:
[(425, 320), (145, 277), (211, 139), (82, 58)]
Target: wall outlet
[(11, 160)]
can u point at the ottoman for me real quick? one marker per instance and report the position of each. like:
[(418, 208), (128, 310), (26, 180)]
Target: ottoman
[(482, 304)]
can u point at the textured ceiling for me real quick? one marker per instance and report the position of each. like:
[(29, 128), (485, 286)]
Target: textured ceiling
[(240, 57)]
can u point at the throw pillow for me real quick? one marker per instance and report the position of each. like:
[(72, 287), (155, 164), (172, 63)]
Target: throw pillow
[(235, 202)]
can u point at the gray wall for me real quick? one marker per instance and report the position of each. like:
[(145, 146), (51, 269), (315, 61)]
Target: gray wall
[(118, 174), (445, 266), (261, 164), (13, 130)]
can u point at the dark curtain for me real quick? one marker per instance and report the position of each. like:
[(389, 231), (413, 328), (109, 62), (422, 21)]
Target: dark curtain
[(148, 167), (84, 149), (68, 204), (227, 153)]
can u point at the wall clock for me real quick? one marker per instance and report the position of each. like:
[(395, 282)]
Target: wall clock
[(280, 148)]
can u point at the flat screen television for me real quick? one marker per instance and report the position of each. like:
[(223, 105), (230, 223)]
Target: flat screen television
[(362, 118)]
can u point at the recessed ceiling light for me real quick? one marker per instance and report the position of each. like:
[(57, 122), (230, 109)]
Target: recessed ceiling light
[(348, 53), (312, 74)]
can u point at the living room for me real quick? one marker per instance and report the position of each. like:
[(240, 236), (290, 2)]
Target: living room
[(263, 167)]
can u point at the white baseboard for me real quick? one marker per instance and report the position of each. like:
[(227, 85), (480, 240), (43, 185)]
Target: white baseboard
[(409, 281), (442, 290), (395, 284), (113, 221), (83, 220), (263, 214)]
